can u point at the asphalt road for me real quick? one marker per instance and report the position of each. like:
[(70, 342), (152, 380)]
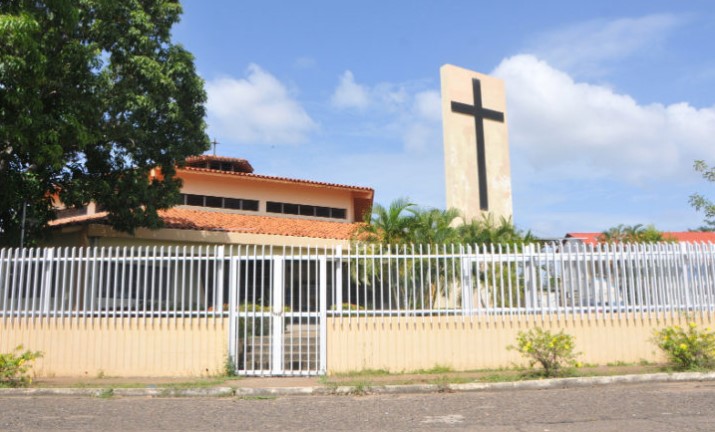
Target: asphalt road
[(644, 407)]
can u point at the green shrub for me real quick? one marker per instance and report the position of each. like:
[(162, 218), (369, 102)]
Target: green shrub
[(229, 366), (14, 367), (554, 352), (687, 348)]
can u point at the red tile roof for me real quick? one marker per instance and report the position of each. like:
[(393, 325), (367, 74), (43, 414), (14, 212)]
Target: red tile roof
[(179, 218), (242, 163), (682, 236)]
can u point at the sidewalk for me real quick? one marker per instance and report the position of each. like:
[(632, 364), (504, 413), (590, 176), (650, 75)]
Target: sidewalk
[(370, 382), (176, 382)]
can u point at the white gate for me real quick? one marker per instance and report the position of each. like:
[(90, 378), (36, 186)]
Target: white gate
[(277, 310)]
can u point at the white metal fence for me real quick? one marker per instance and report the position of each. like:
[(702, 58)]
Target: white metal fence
[(277, 299), (141, 282), (525, 280)]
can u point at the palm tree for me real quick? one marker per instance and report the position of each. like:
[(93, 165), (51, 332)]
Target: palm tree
[(487, 232), (391, 225), (500, 279), (632, 234), (402, 226), (434, 226), (616, 234)]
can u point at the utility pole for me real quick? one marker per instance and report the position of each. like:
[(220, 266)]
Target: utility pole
[(30, 169), (22, 229)]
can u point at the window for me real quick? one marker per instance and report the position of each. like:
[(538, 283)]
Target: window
[(220, 202), (250, 205), (212, 201), (290, 208), (338, 213), (232, 203), (306, 210), (195, 200)]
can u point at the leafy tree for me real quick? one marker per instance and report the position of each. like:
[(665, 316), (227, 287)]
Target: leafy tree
[(93, 96), (699, 202)]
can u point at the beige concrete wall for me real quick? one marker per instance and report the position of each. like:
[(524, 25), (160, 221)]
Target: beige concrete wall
[(460, 148), (121, 348), (198, 347), (408, 344)]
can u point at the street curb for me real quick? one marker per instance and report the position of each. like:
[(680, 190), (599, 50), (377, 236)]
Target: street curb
[(246, 392), (585, 381), (542, 384), (120, 392)]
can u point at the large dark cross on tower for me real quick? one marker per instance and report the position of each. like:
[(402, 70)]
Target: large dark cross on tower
[(480, 113)]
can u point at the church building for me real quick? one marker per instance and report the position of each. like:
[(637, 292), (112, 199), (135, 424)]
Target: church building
[(225, 202)]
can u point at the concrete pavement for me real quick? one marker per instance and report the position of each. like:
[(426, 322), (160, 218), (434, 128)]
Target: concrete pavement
[(295, 386), (685, 406)]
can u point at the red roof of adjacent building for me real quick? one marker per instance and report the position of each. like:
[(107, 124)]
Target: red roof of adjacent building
[(682, 237), (588, 238), (200, 220), (692, 236)]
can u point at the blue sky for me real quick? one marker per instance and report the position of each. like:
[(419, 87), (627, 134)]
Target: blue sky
[(608, 102)]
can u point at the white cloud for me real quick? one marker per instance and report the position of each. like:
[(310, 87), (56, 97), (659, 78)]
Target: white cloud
[(421, 123), (256, 109), (417, 137), (579, 130), (584, 48), (428, 105), (350, 94), (403, 110), (383, 97)]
